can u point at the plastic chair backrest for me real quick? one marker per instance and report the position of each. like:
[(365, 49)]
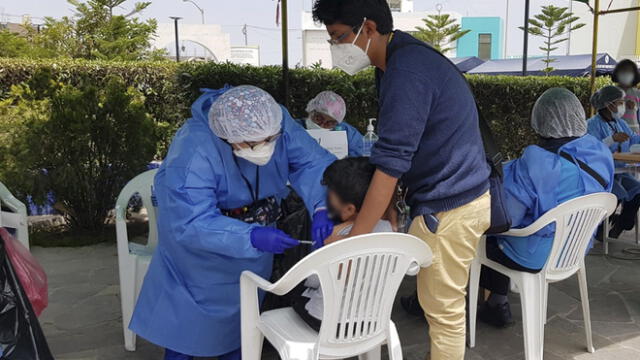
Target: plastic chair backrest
[(576, 222), (360, 277), (17, 218), (143, 186)]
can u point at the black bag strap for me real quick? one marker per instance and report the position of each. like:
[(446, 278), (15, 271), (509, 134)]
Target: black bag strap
[(491, 148), (586, 168)]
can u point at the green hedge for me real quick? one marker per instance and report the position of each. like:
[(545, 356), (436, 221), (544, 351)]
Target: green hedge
[(169, 89)]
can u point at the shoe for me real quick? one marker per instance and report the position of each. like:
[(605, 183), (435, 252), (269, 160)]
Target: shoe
[(616, 229), (411, 305), (498, 316)]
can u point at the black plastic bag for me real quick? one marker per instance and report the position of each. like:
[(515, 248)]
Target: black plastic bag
[(21, 336), (296, 222)]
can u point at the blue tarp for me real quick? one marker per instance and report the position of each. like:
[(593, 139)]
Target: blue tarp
[(467, 63), (571, 65)]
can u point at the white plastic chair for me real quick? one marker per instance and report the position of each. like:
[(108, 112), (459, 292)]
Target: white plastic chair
[(359, 277), (16, 218), (133, 258), (576, 221)]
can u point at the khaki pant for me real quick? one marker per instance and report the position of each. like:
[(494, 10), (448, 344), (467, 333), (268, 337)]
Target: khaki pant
[(442, 286)]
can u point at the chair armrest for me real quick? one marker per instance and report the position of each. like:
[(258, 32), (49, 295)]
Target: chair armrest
[(544, 220), (257, 281)]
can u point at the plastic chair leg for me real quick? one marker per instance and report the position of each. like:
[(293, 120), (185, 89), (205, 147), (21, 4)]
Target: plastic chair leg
[(586, 313), (393, 343), (545, 297), (474, 284), (532, 322), (127, 294), (371, 355), (252, 341)]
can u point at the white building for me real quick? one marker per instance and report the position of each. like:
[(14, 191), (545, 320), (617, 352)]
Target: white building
[(211, 37), (618, 33), (315, 48)]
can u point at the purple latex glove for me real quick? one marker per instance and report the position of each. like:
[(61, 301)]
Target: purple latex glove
[(271, 240), (321, 228)]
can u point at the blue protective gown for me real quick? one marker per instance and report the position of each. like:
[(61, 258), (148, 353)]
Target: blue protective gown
[(625, 187), (355, 140), (539, 181), (190, 299)]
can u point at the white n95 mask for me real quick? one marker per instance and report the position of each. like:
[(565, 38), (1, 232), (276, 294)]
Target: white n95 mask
[(350, 58), (260, 154)]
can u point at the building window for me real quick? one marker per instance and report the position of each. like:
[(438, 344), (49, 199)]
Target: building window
[(395, 5), (484, 46)]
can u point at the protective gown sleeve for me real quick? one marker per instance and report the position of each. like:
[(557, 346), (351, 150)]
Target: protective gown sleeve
[(355, 140), (198, 222), (517, 194), (307, 162), (595, 129)]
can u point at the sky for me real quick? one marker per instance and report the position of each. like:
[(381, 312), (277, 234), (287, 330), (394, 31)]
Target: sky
[(259, 15)]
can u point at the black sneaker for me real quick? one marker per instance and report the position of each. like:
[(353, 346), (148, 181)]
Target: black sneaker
[(411, 305), (498, 316)]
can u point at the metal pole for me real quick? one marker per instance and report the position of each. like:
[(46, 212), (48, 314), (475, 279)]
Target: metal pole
[(285, 53), (175, 22), (202, 14), (244, 32), (198, 7), (525, 49), (506, 32), (569, 35), (594, 50)]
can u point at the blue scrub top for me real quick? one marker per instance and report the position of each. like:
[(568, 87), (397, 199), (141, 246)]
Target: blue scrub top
[(355, 140), (541, 180), (190, 299), (625, 187)]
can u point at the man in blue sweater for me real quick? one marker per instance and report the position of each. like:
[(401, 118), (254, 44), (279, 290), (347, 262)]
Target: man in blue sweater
[(430, 139)]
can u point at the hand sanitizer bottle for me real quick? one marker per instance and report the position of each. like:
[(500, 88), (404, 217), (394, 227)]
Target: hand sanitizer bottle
[(370, 138)]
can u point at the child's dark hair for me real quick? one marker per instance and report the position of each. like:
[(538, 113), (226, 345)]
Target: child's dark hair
[(624, 64), (349, 178), (353, 12)]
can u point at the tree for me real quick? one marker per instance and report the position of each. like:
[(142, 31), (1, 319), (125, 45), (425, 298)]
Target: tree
[(440, 31), (552, 24), (95, 32)]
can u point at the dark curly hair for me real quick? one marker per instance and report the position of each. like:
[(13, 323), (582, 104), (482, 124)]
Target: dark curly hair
[(623, 64), (352, 12), (349, 178)]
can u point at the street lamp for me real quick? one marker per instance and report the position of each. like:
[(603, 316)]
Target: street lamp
[(175, 22), (199, 8)]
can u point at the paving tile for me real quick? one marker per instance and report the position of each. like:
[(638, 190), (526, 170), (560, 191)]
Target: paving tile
[(83, 320)]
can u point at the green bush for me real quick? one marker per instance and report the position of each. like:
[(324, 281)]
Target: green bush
[(83, 142), (170, 88)]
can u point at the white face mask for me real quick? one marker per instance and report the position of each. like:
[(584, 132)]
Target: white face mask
[(620, 113), (626, 78), (311, 125), (260, 154), (350, 58)]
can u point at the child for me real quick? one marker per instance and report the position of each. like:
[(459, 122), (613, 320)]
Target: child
[(347, 181), (626, 75)]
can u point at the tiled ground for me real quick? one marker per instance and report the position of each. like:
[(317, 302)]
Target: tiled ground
[(83, 319)]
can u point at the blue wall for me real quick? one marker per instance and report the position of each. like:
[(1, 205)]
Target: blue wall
[(468, 44)]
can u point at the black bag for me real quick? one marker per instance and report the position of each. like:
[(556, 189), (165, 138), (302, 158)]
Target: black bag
[(21, 337), (500, 219)]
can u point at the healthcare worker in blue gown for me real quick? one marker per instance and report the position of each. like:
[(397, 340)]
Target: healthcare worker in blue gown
[(609, 126), (217, 194), (546, 175), (327, 111)]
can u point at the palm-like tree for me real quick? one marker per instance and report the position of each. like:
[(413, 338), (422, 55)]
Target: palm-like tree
[(440, 30), (552, 24)]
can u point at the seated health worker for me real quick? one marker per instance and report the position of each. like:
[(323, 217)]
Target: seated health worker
[(327, 111), (217, 194), (545, 176), (347, 181), (608, 126)]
